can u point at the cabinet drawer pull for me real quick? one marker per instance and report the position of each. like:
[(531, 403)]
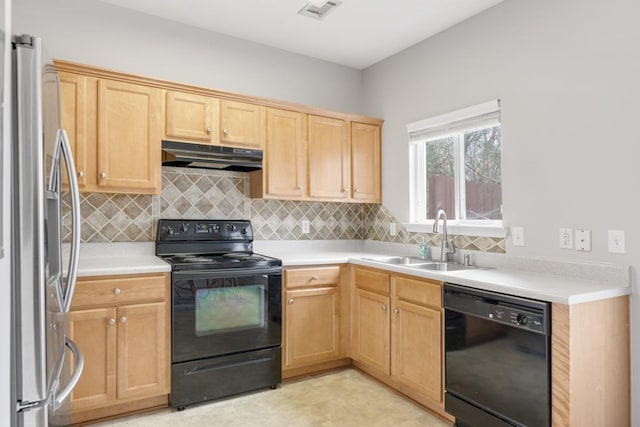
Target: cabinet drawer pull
[(290, 301), (116, 291), (209, 130), (112, 321), (384, 307), (123, 319), (299, 188), (314, 277), (396, 311)]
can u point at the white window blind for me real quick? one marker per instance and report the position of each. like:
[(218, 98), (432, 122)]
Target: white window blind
[(465, 120)]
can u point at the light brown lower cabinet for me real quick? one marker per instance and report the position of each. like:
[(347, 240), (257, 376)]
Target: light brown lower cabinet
[(121, 325), (396, 333), (315, 327)]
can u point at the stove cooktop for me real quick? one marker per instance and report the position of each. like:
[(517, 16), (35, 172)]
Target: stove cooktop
[(217, 261)]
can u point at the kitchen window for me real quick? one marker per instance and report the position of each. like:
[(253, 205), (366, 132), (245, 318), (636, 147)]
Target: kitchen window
[(456, 166)]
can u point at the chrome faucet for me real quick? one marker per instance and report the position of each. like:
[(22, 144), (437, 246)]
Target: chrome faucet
[(446, 248)]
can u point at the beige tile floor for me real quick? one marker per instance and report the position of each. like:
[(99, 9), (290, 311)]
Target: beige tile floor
[(345, 398)]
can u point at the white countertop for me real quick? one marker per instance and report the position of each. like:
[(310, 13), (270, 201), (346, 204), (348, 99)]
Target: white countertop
[(566, 282), (106, 259)]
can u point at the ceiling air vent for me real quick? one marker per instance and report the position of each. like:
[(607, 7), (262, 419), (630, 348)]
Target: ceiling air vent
[(319, 9)]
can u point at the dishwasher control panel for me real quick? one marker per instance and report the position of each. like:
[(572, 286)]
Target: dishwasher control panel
[(515, 317), (511, 310)]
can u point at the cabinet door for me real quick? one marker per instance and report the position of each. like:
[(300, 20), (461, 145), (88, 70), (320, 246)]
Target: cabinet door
[(94, 331), (417, 348), (312, 332), (73, 97), (192, 117), (241, 124), (143, 356), (285, 161), (129, 129), (365, 162), (371, 330), (328, 159)]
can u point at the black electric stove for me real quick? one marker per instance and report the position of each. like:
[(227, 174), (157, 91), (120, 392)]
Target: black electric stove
[(226, 310), (209, 244)]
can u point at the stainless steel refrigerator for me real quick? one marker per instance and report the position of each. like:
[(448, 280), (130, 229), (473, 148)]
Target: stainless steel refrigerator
[(45, 364)]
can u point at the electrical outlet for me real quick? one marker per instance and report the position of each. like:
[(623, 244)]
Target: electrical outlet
[(583, 240), (392, 229), (517, 236), (566, 238), (305, 226), (616, 242)]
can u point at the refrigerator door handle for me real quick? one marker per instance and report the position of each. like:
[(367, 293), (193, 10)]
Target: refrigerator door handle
[(75, 220), (75, 377)]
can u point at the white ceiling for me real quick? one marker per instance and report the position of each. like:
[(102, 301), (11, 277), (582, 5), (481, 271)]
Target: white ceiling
[(358, 33)]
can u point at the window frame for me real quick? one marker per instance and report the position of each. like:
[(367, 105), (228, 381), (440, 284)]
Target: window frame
[(417, 169)]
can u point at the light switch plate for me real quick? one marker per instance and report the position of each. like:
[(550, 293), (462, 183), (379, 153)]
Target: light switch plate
[(583, 240), (305, 226), (616, 242), (517, 236), (392, 229)]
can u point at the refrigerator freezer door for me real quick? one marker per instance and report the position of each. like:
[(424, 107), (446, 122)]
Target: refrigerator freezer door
[(27, 227)]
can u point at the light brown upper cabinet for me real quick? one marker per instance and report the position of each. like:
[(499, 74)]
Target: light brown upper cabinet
[(241, 124), (365, 162), (204, 119), (115, 132), (285, 166), (129, 136), (328, 158), (192, 117)]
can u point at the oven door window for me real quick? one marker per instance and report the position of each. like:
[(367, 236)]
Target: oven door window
[(226, 307), (221, 312)]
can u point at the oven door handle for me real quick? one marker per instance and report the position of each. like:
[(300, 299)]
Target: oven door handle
[(226, 272)]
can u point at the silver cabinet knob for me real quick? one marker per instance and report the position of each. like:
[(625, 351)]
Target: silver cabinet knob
[(209, 130), (299, 188), (346, 190), (396, 311), (356, 190), (314, 277), (116, 291), (112, 322), (384, 307), (225, 131), (123, 319), (103, 175), (290, 301), (80, 174)]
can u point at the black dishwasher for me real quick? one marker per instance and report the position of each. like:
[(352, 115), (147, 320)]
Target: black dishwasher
[(497, 359)]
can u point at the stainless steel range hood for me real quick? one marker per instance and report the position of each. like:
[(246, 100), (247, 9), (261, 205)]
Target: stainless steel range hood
[(184, 154)]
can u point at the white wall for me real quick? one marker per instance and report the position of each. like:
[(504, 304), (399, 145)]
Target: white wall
[(568, 75), (95, 33)]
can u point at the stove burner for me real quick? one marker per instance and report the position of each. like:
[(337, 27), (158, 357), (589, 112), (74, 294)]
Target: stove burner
[(197, 259), (242, 256)]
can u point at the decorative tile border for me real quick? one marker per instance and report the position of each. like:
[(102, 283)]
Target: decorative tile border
[(211, 194)]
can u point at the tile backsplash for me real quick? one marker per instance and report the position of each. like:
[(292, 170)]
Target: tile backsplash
[(201, 193)]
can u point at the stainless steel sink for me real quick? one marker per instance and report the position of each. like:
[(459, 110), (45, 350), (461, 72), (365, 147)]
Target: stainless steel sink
[(445, 266), (423, 264), (400, 260)]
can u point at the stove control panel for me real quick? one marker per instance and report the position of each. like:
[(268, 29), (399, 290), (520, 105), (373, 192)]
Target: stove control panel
[(210, 230)]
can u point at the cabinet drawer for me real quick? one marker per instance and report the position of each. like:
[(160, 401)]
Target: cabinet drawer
[(118, 290), (374, 281), (317, 276), (420, 292)]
